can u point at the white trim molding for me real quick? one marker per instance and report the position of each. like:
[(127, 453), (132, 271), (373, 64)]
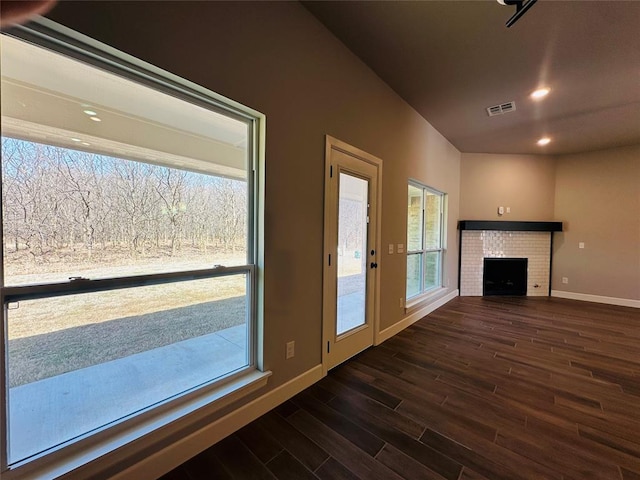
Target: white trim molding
[(585, 297), (396, 328), (177, 453)]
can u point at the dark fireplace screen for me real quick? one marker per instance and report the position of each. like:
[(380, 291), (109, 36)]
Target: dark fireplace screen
[(505, 276)]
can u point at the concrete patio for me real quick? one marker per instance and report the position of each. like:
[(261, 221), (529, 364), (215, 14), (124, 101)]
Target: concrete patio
[(48, 412), (351, 302)]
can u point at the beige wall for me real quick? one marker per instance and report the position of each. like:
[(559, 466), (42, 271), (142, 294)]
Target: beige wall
[(276, 58), (526, 183), (598, 199)]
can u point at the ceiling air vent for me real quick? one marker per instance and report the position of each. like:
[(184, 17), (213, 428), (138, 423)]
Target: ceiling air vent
[(502, 108)]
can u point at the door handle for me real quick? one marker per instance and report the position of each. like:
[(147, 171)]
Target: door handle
[(374, 265)]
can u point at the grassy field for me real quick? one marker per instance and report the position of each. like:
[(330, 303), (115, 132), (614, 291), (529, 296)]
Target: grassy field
[(49, 337)]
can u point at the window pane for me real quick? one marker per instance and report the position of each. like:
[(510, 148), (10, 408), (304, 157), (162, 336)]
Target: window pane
[(79, 362), (432, 270), (414, 219), (70, 213), (414, 270), (106, 177), (433, 207)]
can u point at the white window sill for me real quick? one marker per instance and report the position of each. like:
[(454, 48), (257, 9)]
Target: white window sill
[(424, 299), (114, 448)]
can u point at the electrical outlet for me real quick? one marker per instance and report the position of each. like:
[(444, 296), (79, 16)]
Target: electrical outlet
[(401, 302), (580, 244), (291, 349), (391, 249), (565, 280)]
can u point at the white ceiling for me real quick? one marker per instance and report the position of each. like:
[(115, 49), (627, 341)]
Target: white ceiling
[(44, 95), (451, 60)]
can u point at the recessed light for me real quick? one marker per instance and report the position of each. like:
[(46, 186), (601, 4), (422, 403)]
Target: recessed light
[(540, 93), (76, 140), (95, 119), (86, 144), (544, 141), (91, 113)]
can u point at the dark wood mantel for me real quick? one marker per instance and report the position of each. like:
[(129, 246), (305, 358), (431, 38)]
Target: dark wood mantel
[(508, 226)]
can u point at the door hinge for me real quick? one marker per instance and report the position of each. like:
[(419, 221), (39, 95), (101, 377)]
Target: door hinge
[(328, 347), (331, 171), (329, 259)]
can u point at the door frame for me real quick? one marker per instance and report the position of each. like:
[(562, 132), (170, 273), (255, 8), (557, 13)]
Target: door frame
[(329, 297)]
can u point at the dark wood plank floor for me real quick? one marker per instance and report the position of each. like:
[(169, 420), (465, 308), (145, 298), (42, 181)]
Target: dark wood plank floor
[(483, 388)]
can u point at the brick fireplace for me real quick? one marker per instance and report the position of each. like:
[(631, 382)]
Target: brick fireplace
[(495, 239)]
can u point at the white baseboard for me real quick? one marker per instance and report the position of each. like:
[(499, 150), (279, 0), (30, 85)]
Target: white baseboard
[(396, 328), (179, 452), (585, 297)]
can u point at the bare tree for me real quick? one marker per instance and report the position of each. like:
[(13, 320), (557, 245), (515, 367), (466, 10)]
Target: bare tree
[(231, 212), (58, 201), (136, 204), (170, 188)]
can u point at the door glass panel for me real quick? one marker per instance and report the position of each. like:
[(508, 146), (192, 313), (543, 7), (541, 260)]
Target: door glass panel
[(352, 252)]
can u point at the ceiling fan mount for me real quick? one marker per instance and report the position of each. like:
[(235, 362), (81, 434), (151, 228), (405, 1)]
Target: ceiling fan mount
[(521, 9)]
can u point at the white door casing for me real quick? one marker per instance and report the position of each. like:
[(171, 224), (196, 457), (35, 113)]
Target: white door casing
[(351, 274)]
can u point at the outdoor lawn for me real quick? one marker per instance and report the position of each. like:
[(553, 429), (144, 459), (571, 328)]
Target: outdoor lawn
[(48, 337)]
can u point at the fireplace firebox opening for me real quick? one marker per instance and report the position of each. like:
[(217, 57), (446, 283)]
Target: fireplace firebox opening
[(505, 276)]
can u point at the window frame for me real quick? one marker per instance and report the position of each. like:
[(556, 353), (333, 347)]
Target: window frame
[(155, 423), (423, 251)]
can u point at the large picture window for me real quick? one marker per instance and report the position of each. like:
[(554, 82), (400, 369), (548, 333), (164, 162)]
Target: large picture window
[(425, 220), (130, 246)]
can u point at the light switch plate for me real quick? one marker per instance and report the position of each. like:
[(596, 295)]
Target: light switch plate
[(400, 248)]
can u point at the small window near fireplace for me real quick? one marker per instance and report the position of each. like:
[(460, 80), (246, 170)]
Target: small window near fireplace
[(505, 276)]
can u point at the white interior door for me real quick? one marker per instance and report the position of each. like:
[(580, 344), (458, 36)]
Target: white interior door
[(351, 252)]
